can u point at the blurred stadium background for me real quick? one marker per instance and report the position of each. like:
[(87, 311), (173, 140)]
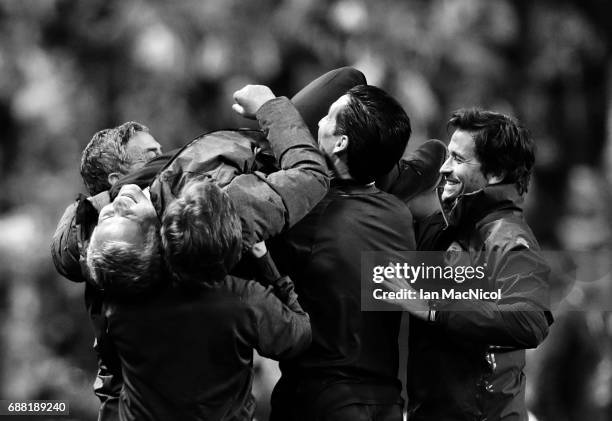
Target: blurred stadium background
[(70, 68)]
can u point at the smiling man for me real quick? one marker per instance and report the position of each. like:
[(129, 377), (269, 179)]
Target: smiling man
[(126, 244), (463, 171), (486, 149), (466, 357)]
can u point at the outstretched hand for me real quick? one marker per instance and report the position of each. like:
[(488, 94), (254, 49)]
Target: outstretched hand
[(250, 99)]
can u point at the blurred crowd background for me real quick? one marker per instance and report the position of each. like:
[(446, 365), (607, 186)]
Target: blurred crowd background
[(70, 68)]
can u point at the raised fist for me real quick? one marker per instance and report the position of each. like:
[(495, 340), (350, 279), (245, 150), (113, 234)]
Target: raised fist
[(250, 98)]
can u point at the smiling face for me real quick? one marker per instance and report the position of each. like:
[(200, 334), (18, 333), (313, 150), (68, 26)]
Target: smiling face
[(126, 219), (462, 170)]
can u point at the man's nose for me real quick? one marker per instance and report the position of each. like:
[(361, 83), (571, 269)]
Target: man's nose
[(120, 205), (446, 167)]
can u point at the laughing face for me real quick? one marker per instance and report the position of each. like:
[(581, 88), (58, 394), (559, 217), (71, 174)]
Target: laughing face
[(127, 218), (462, 170)]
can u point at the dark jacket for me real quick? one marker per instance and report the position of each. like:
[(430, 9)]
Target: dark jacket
[(67, 250), (268, 198), (468, 364), (273, 176), (354, 353), (188, 355), (266, 203)]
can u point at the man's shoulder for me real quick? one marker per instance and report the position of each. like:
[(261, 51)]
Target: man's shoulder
[(229, 295), (364, 203), (245, 290), (369, 195), (508, 232)]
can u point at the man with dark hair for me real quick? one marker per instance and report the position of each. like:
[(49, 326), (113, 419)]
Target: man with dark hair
[(378, 135), (466, 357), (350, 370), (486, 148), (186, 346), (373, 123)]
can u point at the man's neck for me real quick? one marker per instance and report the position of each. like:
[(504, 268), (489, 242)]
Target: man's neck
[(338, 168)]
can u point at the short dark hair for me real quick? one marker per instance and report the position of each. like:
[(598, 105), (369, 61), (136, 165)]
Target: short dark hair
[(105, 154), (378, 130), (201, 234), (125, 270), (502, 144)]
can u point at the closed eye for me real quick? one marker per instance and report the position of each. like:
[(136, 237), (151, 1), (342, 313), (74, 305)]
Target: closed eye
[(106, 213), (457, 158)]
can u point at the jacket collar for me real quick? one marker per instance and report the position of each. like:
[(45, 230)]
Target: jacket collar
[(352, 186), (471, 208)]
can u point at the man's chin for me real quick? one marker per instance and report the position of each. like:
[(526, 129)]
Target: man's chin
[(450, 194)]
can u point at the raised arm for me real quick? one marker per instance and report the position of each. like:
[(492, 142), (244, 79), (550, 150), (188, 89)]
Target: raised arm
[(268, 204)]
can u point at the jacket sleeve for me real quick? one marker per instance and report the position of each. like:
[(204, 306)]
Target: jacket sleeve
[(64, 246), (520, 318), (65, 249), (269, 204), (276, 329)]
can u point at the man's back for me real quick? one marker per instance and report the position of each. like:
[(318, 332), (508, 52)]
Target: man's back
[(354, 354), (204, 368)]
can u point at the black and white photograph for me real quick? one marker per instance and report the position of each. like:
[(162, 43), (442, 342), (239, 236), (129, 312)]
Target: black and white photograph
[(306, 210)]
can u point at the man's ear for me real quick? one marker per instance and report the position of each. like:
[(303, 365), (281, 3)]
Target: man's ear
[(113, 178), (496, 178), (341, 144)]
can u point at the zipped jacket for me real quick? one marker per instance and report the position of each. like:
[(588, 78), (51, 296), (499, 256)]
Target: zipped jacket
[(468, 364)]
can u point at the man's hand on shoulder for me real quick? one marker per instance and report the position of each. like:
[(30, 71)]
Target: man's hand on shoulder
[(250, 99)]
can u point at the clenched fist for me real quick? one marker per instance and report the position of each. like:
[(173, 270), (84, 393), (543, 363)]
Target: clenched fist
[(250, 98)]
